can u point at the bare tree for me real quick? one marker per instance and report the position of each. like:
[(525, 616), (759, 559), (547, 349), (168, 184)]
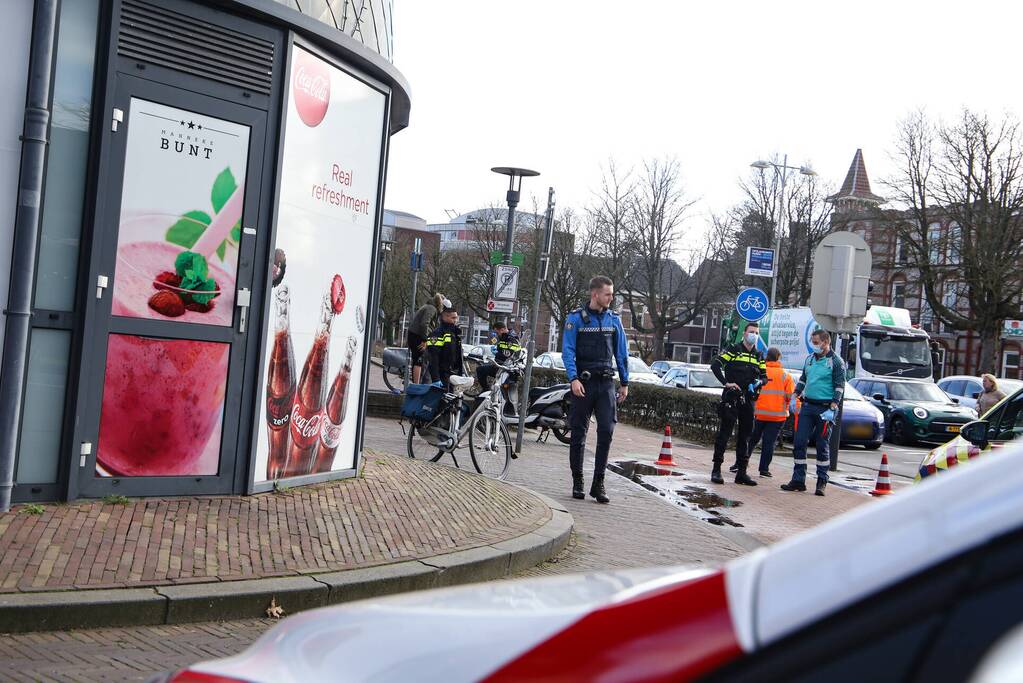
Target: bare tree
[(569, 272), (611, 222), (754, 223), (395, 290), (670, 295), (961, 184)]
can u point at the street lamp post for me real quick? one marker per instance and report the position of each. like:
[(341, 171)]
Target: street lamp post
[(513, 173), (783, 168)]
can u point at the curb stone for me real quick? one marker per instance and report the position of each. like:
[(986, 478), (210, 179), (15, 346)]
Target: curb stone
[(226, 600)]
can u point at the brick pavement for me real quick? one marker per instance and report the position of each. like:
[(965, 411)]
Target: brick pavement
[(638, 528), (399, 509)]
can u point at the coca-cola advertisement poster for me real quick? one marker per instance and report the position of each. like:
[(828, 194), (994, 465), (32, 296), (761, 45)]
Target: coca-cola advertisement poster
[(321, 273)]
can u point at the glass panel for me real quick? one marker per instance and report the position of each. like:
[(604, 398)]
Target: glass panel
[(163, 407), (68, 156), (181, 211), (39, 451)]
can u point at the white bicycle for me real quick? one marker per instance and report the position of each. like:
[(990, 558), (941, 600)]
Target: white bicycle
[(490, 446)]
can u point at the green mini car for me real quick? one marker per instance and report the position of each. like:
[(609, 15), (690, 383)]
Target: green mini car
[(914, 410)]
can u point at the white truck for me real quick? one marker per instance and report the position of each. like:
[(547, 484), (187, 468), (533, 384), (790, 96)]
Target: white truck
[(885, 344)]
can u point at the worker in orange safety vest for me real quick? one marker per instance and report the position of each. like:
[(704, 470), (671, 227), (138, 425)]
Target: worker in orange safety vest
[(771, 409)]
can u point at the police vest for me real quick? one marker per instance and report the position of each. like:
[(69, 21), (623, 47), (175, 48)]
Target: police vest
[(595, 344)]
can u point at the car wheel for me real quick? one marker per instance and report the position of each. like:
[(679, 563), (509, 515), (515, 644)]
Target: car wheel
[(900, 432)]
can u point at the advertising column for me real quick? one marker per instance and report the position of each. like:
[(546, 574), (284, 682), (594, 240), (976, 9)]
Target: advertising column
[(333, 134)]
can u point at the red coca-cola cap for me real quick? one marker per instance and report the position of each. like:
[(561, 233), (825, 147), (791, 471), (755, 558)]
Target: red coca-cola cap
[(337, 294)]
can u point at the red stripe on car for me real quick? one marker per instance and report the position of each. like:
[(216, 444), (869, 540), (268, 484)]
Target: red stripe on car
[(672, 634)]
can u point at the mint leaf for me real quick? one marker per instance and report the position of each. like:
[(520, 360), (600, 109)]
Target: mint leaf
[(223, 187), (236, 232), (207, 285), (222, 250), (189, 264), (186, 231)]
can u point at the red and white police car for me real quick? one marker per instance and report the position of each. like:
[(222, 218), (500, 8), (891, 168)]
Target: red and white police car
[(920, 586)]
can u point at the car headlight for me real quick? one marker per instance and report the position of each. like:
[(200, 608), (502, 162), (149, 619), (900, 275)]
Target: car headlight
[(920, 413), (880, 416)]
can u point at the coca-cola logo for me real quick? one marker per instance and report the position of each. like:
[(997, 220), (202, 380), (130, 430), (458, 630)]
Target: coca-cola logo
[(311, 88), (304, 429), (330, 434)]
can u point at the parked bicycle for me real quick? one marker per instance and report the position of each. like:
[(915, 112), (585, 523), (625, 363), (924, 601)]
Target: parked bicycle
[(429, 438)]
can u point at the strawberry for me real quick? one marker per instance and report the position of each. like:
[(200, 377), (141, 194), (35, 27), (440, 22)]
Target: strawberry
[(199, 308), (167, 303), (167, 280)]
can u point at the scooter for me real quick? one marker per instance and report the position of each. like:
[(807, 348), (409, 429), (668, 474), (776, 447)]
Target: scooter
[(547, 407)]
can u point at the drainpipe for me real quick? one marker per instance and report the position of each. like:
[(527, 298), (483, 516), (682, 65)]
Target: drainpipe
[(17, 327)]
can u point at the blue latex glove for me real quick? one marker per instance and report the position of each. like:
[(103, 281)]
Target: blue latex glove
[(793, 404), (752, 388), (828, 416)]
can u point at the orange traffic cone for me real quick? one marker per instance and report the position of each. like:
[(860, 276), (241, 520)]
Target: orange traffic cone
[(884, 484), (665, 456)]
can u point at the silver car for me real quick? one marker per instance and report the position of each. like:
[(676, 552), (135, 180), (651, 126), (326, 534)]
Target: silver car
[(968, 388)]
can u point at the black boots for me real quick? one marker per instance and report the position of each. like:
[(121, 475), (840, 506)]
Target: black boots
[(577, 487), (715, 475), (794, 486), (819, 491), (742, 478), (597, 490)]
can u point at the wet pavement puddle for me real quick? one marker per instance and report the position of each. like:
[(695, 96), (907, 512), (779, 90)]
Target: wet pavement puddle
[(695, 500)]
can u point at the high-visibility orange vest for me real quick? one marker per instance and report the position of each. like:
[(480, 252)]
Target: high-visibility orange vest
[(773, 404)]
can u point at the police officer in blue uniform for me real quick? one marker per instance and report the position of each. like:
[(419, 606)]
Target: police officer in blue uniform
[(593, 336)]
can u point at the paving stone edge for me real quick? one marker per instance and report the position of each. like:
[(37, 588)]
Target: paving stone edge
[(227, 600)]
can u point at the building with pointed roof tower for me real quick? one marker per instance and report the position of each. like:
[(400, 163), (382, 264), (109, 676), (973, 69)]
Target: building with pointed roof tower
[(855, 195), (897, 283)]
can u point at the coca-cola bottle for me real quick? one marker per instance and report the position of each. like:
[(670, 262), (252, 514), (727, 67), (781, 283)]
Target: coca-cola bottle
[(334, 413), (280, 387), (309, 398)]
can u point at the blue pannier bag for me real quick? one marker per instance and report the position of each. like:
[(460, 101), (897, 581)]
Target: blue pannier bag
[(422, 401)]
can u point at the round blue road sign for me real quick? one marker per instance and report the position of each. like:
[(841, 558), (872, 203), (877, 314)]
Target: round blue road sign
[(752, 304)]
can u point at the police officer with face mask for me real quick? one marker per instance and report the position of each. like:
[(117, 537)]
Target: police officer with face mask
[(742, 369), (593, 336)]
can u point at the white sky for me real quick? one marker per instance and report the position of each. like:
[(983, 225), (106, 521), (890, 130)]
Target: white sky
[(717, 84)]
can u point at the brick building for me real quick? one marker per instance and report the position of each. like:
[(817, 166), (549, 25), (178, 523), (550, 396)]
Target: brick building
[(896, 283)]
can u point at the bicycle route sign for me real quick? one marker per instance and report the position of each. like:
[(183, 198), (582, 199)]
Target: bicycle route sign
[(752, 304)]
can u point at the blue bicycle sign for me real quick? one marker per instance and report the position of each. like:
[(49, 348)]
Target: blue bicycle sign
[(752, 304)]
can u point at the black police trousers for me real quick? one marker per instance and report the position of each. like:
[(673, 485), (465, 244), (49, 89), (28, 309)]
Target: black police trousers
[(743, 415), (600, 399)]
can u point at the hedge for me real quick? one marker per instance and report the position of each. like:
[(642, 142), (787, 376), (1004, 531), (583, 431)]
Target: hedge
[(692, 415)]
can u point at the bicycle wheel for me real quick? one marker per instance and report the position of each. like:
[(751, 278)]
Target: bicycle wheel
[(422, 444), (397, 385), (489, 445)]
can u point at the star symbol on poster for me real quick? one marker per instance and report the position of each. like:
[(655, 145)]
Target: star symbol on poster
[(191, 124)]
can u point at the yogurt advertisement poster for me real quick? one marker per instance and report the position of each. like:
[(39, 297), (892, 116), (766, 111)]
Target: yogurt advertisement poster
[(177, 255), (323, 256)]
